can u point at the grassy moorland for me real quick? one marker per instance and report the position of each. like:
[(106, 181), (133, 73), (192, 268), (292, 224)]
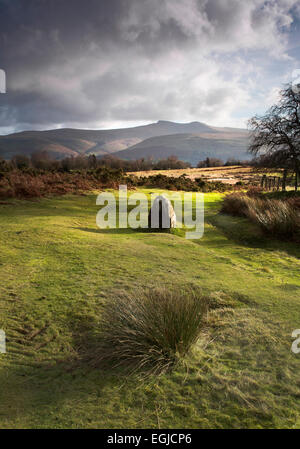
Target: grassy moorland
[(57, 269), (227, 175)]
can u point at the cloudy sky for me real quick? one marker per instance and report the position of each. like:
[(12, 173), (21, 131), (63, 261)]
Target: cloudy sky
[(119, 63)]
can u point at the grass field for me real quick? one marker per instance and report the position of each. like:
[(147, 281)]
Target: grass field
[(57, 269), (228, 175)]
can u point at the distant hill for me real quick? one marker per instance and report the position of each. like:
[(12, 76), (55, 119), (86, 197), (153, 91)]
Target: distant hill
[(189, 141), (191, 147)]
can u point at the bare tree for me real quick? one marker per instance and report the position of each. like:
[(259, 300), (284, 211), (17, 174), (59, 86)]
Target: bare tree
[(276, 135)]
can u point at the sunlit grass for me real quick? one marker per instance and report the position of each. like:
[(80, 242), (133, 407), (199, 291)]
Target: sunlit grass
[(58, 270)]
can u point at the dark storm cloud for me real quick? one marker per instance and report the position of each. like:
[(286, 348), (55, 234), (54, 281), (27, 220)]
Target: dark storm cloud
[(40, 31), (88, 63)]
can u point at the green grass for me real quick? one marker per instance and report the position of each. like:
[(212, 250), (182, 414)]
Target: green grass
[(57, 269)]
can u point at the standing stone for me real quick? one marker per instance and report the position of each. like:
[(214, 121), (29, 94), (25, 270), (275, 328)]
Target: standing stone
[(161, 215)]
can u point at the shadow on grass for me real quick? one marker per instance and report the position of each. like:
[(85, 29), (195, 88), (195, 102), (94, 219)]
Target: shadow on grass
[(35, 396), (123, 231), (243, 232), (106, 231), (34, 390)]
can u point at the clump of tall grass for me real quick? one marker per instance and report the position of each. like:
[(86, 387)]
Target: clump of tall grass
[(275, 217), (294, 202), (280, 218), (235, 204), (150, 331)]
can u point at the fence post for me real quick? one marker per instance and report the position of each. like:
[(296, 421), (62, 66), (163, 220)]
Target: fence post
[(278, 183), (284, 179)]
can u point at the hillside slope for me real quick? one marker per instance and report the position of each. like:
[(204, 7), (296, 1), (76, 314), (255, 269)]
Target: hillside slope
[(191, 147), (66, 142)]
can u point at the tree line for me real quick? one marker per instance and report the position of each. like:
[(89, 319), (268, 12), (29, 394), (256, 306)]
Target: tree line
[(42, 160)]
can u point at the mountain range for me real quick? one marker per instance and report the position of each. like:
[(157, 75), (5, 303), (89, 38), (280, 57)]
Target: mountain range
[(190, 142)]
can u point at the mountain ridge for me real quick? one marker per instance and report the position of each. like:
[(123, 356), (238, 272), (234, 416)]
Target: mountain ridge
[(64, 142)]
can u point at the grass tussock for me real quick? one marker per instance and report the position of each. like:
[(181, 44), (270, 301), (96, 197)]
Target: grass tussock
[(275, 217), (280, 218), (235, 204), (150, 331)]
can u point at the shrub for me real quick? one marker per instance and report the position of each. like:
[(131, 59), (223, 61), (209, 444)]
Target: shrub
[(235, 204), (31, 183), (150, 331)]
